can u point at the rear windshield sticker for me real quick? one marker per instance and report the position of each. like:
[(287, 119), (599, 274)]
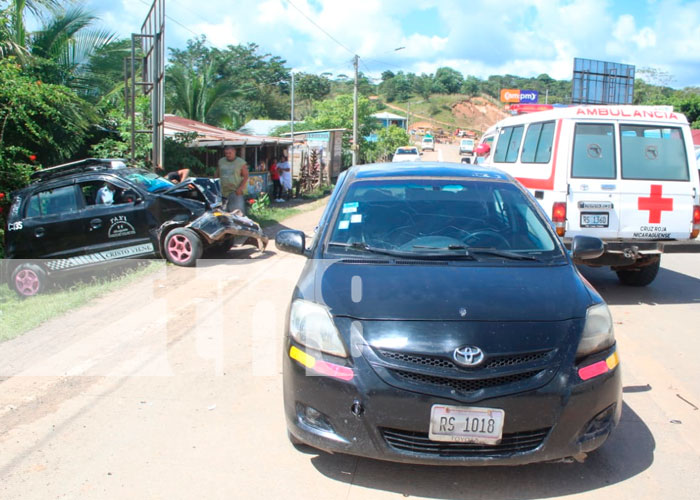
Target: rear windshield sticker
[(344, 224), (356, 218)]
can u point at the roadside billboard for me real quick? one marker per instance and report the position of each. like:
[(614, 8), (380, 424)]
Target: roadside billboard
[(517, 96)]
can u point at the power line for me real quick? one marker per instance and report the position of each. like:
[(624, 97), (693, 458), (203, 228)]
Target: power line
[(319, 27)]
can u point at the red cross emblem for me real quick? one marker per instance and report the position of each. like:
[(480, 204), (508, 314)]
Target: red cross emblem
[(655, 204)]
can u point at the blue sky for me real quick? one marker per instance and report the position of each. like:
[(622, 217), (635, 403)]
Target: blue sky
[(481, 38)]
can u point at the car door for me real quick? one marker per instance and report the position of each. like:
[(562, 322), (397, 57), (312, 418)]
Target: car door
[(122, 224), (657, 195), (52, 221), (593, 206)]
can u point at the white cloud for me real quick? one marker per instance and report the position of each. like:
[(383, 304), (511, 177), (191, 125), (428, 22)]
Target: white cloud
[(522, 37)]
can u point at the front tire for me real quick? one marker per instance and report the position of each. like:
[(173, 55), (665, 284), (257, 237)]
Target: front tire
[(183, 247), (639, 276), (29, 280)]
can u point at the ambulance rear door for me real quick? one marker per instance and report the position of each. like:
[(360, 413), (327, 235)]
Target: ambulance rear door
[(657, 191), (593, 201)]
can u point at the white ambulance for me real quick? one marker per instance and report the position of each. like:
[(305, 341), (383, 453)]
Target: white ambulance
[(625, 174)]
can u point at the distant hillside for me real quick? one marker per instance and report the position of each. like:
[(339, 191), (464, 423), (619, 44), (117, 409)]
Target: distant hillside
[(452, 111)]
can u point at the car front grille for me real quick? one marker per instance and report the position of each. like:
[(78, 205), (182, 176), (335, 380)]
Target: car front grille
[(419, 442), (463, 385), (444, 362)]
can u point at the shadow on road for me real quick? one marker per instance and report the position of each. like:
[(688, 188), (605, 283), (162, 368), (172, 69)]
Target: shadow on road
[(628, 452), (669, 287)]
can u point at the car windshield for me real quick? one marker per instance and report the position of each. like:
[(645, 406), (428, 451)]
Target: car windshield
[(429, 217), (148, 180), (407, 151)]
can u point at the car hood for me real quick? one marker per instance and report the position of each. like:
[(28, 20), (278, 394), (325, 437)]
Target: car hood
[(443, 291), (206, 191)]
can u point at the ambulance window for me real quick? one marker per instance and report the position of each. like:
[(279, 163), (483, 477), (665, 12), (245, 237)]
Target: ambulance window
[(594, 151), (508, 145), (537, 147), (651, 152)]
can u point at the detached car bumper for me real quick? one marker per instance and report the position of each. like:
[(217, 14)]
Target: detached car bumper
[(367, 417)]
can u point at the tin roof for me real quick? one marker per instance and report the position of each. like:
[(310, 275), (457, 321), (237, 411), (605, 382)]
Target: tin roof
[(209, 135)]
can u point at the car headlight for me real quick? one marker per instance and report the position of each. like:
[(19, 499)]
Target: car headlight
[(597, 331), (311, 325)]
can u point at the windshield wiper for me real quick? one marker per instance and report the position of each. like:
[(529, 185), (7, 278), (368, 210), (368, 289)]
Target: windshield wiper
[(448, 247), (501, 253), (359, 245)]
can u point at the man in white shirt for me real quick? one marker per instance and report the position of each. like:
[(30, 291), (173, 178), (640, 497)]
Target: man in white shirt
[(105, 195), (285, 171)]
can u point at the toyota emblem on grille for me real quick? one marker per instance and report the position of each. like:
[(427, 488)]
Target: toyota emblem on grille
[(468, 356)]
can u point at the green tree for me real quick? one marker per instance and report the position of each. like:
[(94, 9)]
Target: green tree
[(450, 79), (390, 138), (310, 87), (423, 85)]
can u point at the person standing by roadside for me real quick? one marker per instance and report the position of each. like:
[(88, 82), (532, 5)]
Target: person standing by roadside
[(233, 175), (277, 185), (285, 174)]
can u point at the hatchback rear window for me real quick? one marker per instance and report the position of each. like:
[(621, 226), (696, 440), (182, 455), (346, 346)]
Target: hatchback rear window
[(594, 151), (53, 202), (650, 152)]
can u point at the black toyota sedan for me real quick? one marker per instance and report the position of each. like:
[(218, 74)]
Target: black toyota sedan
[(439, 320)]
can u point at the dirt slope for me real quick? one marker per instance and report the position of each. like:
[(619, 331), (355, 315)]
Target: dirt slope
[(479, 112)]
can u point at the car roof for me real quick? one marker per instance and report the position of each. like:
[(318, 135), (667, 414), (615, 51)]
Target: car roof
[(426, 169)]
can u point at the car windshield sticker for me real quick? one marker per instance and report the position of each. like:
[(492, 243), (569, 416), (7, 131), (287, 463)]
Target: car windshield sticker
[(356, 218), (350, 207), (344, 224)]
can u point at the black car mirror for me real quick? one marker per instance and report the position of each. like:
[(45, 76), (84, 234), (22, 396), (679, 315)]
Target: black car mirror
[(292, 241), (586, 247)]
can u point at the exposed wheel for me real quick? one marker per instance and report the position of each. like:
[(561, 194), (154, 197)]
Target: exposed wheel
[(29, 280), (639, 276), (183, 247)]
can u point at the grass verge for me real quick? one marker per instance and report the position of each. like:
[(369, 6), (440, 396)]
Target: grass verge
[(276, 213), (20, 315)]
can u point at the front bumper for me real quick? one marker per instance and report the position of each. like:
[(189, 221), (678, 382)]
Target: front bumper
[(367, 417), (219, 225)]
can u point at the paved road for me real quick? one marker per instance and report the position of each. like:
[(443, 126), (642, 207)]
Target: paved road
[(172, 389)]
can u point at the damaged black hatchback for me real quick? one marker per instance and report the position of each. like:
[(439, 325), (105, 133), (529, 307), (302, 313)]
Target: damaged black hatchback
[(439, 320), (97, 211)]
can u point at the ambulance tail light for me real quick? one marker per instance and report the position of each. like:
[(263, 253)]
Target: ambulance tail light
[(559, 217), (696, 222)]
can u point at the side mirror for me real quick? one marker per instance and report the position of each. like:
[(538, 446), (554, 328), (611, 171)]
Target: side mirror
[(292, 241), (131, 196), (586, 247)]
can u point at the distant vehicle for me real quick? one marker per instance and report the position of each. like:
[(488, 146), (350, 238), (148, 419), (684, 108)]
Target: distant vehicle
[(427, 144), (620, 173), (466, 146), (406, 153)]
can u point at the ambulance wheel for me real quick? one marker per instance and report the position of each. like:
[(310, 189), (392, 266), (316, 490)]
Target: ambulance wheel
[(183, 247), (28, 280), (639, 276)]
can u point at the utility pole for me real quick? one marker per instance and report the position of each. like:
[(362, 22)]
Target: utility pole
[(291, 152), (355, 148)]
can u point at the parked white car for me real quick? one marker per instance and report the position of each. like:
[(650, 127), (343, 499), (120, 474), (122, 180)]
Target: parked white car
[(427, 143), (406, 153)]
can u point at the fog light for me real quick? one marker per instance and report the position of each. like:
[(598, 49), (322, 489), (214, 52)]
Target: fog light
[(599, 425), (313, 418)]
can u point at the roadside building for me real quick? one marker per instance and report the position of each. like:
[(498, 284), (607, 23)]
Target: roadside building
[(387, 119), (328, 145), (252, 148)]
